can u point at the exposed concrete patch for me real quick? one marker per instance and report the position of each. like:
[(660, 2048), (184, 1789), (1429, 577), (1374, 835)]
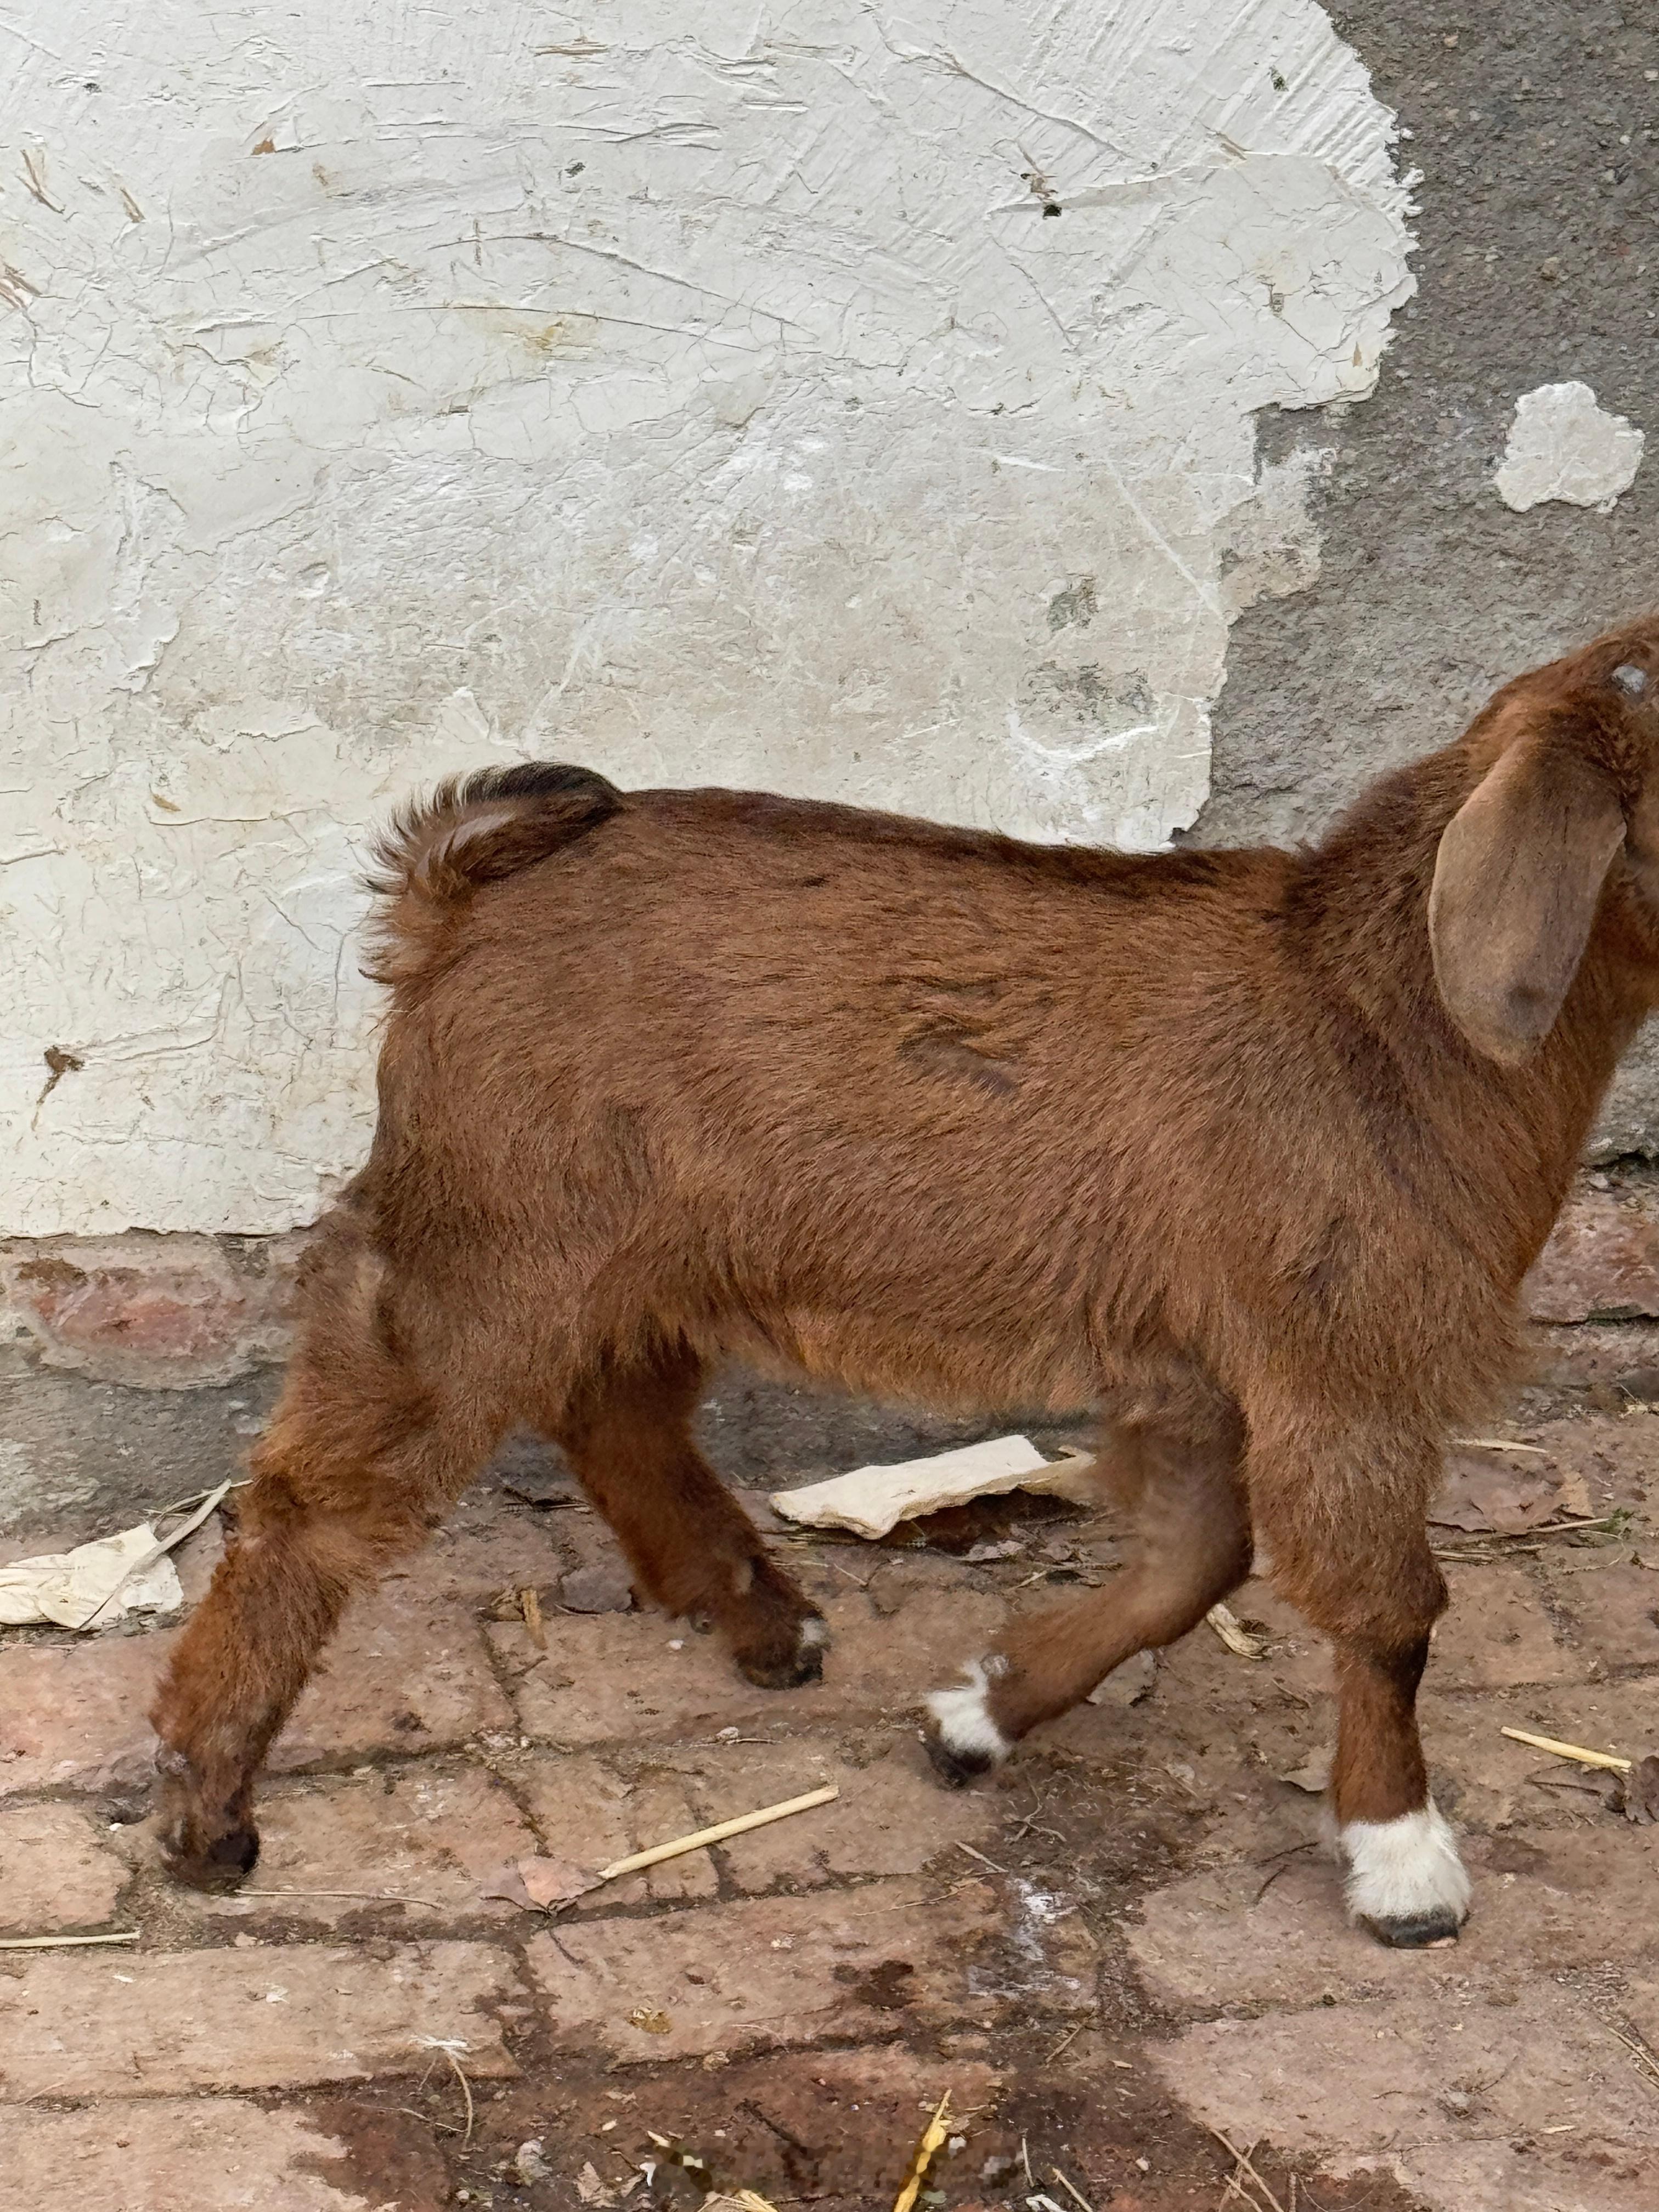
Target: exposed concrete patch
[(1535, 135)]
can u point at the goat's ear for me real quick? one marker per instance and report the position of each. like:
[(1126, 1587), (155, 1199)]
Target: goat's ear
[(1516, 888)]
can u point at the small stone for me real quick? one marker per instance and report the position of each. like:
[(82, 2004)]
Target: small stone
[(603, 1588), (529, 2165), (1128, 1684), (526, 1467), (1640, 1792), (1550, 268)]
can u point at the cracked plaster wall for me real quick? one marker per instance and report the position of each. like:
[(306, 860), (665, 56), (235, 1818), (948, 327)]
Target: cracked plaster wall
[(856, 399)]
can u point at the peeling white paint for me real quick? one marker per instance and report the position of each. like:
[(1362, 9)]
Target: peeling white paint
[(1563, 446), (700, 391)]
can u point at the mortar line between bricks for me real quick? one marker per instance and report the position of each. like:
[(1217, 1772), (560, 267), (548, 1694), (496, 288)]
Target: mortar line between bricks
[(1605, 1680), (1536, 1566), (218, 1931)]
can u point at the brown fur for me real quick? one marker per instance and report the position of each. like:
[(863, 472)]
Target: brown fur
[(671, 1078)]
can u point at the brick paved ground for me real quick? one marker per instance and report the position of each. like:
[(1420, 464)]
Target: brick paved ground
[(1125, 1942)]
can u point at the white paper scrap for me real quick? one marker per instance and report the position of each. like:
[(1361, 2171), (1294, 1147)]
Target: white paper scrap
[(870, 1500), (97, 1582)]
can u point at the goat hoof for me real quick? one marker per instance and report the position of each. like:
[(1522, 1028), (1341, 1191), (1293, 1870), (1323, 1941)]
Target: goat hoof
[(1416, 1932), (955, 1769), (224, 1865), (804, 1664), (963, 1740)]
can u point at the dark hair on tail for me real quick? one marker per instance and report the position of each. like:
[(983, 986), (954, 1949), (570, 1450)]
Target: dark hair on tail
[(473, 830)]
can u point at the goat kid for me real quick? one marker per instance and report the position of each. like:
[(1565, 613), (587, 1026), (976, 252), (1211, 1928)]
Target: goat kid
[(1249, 1151)]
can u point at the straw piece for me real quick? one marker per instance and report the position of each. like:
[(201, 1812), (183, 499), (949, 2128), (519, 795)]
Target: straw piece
[(446, 2048), (366, 1896), (52, 1942), (980, 1856), (1638, 2047), (932, 2137), (1243, 2166), (1569, 1750), (1076, 2195), (1234, 1634), (719, 1832), (1497, 1443), (530, 1605)]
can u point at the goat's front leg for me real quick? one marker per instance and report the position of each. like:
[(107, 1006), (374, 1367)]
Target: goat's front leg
[(1350, 1544), (1406, 1884)]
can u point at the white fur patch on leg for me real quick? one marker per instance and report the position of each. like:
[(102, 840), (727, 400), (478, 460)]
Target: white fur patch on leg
[(1405, 1872), (963, 1718), (814, 1634)]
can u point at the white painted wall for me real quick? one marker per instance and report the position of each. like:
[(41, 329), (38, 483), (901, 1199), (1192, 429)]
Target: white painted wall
[(693, 387)]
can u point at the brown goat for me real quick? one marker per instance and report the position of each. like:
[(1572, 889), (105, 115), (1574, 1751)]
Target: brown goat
[(1247, 1151)]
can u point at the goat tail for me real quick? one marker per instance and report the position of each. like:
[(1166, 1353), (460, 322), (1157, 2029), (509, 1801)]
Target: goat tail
[(473, 830)]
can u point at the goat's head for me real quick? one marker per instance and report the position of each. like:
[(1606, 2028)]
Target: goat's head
[(1568, 801)]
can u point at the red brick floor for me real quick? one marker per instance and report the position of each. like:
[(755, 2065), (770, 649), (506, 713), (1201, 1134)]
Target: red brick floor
[(1124, 1942)]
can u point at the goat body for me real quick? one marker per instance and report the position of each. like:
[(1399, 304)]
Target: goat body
[(1246, 1152)]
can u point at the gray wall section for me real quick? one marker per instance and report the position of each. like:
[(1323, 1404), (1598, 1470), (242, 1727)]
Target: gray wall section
[(1538, 261)]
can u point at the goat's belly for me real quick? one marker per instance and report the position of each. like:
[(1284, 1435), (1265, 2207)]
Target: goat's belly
[(865, 1354)]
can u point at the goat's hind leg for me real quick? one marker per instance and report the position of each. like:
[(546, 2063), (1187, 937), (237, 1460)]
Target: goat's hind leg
[(627, 1434), (361, 1461), (1191, 1546)]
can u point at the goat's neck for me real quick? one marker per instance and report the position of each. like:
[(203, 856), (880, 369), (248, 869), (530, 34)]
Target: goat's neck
[(1359, 916)]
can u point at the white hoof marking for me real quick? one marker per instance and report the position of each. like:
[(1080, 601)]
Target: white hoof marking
[(814, 1634), (1404, 1870), (963, 1718)]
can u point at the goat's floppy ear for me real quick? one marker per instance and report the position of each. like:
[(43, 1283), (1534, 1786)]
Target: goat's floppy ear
[(1516, 888)]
